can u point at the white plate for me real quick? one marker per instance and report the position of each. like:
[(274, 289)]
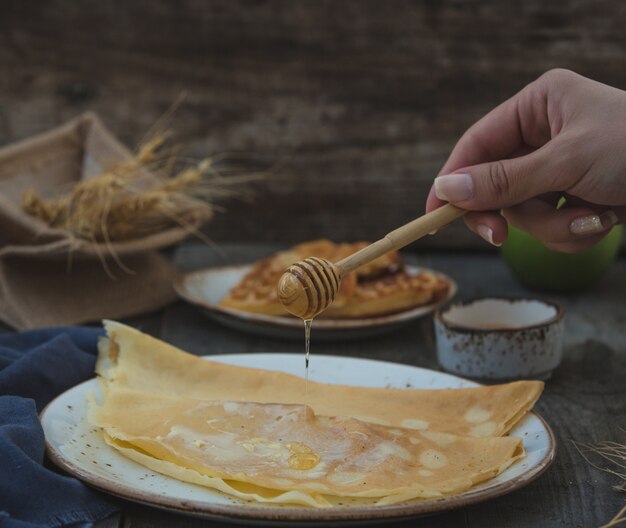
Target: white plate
[(79, 449), (206, 288)]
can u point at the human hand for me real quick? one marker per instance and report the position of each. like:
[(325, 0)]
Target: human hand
[(563, 135)]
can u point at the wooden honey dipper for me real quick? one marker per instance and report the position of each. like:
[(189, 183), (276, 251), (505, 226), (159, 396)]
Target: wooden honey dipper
[(308, 287)]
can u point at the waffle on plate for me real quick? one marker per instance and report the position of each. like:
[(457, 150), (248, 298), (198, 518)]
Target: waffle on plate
[(381, 287)]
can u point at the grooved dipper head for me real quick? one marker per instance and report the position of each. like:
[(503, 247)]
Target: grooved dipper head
[(308, 287)]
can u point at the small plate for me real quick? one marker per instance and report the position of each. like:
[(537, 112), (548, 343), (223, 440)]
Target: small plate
[(206, 288), (80, 450)]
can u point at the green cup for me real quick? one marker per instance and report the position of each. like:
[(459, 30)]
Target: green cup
[(539, 268)]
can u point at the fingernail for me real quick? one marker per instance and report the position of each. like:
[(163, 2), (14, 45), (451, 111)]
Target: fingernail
[(434, 232), (592, 224), (454, 187), (487, 233)]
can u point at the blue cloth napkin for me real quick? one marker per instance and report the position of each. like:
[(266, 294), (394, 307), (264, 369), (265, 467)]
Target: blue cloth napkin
[(35, 367)]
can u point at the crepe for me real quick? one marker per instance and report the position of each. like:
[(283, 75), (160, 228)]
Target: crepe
[(245, 431), (131, 359), (286, 454), (381, 287)]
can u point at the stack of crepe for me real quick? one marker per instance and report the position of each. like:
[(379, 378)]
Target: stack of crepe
[(245, 431)]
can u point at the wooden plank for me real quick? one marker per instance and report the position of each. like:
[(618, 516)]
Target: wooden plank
[(585, 401), (361, 101), (142, 517), (139, 516)]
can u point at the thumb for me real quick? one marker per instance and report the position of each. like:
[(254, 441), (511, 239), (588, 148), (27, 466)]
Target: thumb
[(499, 184)]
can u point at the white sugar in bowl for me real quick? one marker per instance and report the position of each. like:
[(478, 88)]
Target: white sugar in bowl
[(500, 339)]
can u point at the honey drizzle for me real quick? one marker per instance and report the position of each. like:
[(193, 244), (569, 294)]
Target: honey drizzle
[(307, 343), (303, 456)]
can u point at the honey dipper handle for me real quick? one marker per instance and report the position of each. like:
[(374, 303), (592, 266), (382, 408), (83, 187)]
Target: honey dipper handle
[(401, 237)]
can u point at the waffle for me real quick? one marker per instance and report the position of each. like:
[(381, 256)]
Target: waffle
[(381, 287)]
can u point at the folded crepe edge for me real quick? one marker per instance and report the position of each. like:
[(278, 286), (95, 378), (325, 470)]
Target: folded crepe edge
[(124, 444), (109, 348), (154, 455), (525, 409), (262, 494), (226, 486)]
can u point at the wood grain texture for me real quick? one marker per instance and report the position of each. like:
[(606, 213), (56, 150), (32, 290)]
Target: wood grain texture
[(360, 101), (585, 400)]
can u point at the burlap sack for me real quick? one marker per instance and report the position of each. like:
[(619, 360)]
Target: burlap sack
[(48, 278)]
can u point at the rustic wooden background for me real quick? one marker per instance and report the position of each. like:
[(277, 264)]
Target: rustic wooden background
[(359, 101)]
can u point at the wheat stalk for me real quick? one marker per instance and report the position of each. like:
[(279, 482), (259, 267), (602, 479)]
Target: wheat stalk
[(139, 197), (612, 455)]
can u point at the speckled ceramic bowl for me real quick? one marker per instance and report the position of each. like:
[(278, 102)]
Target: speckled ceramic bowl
[(500, 339)]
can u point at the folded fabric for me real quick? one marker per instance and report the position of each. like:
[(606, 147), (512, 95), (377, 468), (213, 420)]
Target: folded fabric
[(40, 264), (35, 367)]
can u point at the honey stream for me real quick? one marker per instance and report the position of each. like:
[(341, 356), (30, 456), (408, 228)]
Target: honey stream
[(303, 457), (307, 344)]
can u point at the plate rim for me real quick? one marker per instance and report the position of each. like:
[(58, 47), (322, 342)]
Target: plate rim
[(285, 514), (320, 323)]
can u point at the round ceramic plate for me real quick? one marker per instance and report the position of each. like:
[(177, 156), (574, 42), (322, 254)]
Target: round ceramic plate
[(80, 450), (206, 288)]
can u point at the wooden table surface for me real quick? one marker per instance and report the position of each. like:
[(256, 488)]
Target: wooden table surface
[(585, 401), (362, 98)]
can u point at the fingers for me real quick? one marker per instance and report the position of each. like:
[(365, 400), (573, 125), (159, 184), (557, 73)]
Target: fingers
[(432, 202), (571, 229), (520, 158), (505, 183), (490, 225), (621, 214), (578, 246), (568, 230), (508, 156), (560, 227), (574, 201), (514, 127)]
